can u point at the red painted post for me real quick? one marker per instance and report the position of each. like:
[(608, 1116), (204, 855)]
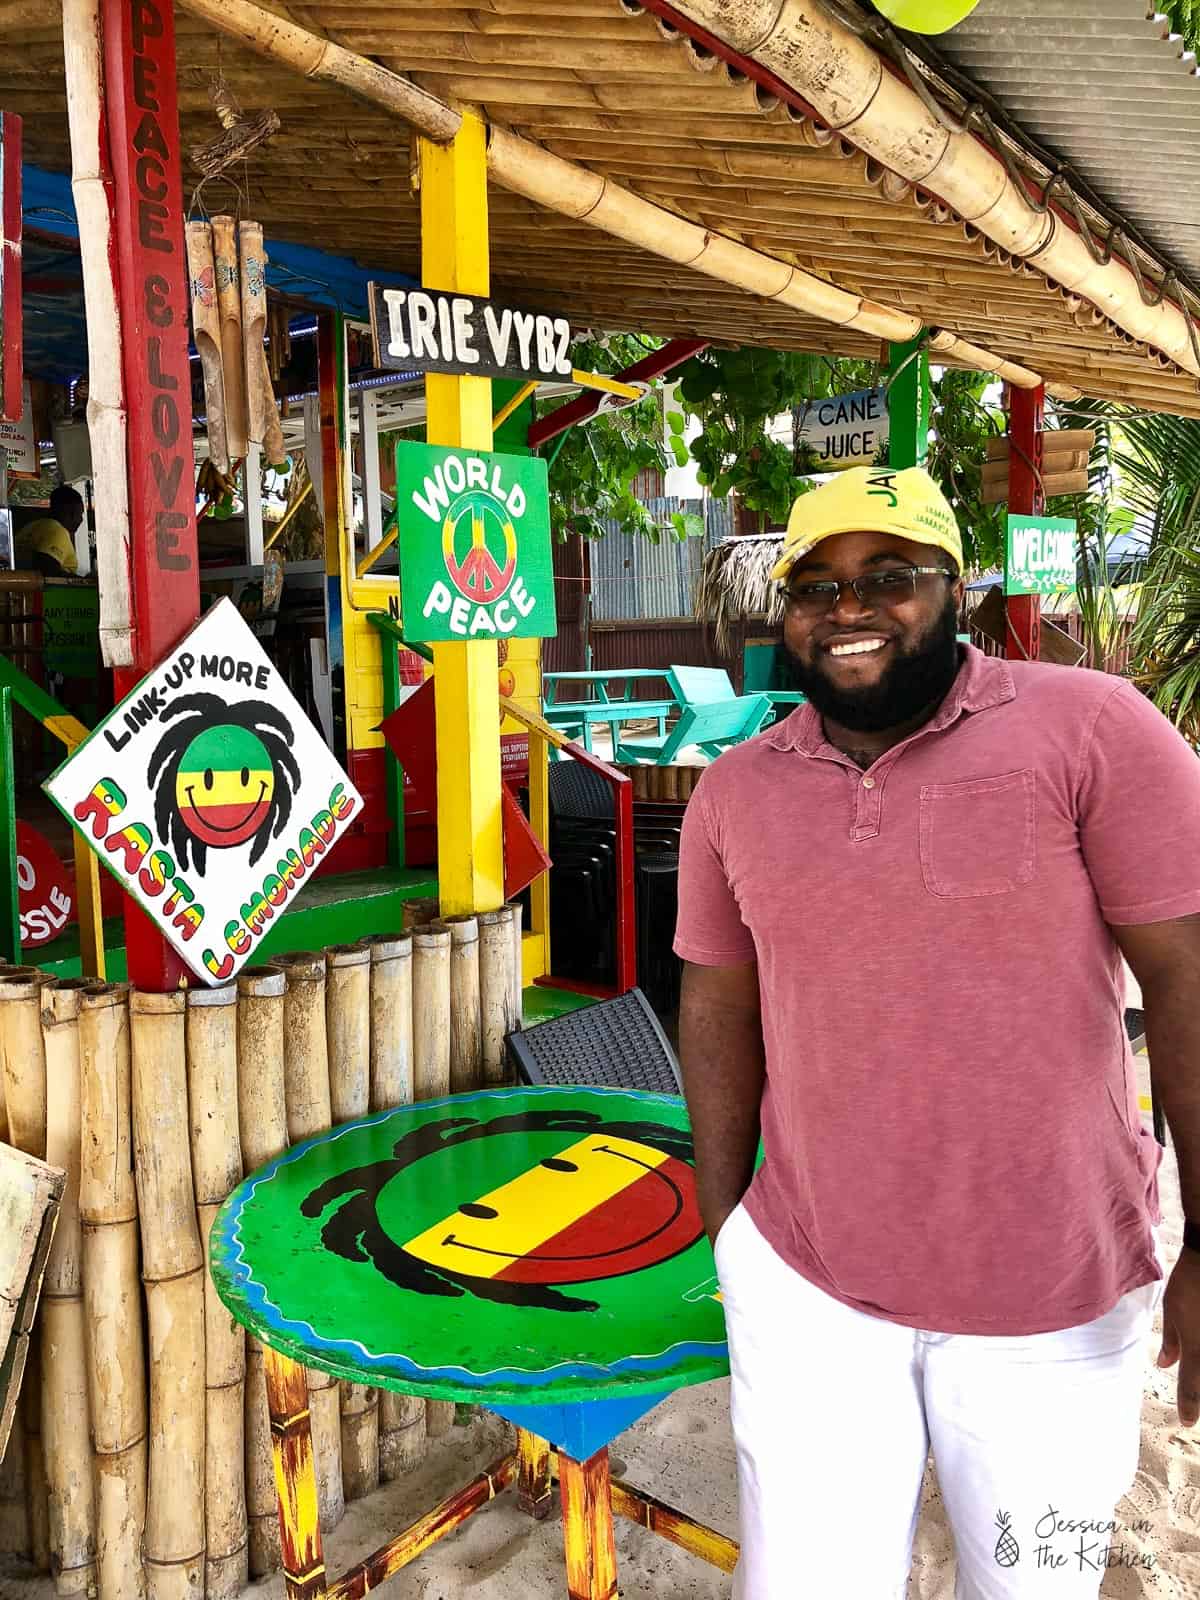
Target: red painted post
[(1026, 410), (138, 49)]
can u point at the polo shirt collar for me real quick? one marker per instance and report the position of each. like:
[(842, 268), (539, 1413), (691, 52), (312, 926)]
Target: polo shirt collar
[(982, 682)]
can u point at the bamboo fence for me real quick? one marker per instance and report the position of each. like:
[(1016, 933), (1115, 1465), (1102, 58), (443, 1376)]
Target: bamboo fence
[(140, 1466)]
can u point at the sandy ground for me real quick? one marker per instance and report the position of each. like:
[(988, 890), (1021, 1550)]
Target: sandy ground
[(683, 1453)]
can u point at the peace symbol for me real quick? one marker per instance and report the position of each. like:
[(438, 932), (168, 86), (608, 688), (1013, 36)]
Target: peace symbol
[(485, 569)]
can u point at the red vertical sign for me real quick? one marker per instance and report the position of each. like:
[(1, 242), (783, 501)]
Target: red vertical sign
[(138, 38), (11, 362)]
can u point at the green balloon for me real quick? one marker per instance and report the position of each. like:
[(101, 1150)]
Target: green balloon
[(926, 16)]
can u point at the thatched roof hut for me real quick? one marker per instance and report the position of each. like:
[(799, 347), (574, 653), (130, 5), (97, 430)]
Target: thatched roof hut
[(735, 584)]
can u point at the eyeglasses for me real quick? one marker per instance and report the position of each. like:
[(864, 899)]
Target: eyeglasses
[(872, 590)]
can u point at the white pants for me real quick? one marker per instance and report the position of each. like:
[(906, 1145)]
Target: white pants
[(834, 1413)]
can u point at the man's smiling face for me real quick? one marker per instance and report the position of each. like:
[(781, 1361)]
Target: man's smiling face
[(873, 664)]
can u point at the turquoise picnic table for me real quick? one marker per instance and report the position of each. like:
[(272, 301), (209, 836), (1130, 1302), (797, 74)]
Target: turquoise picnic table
[(577, 718)]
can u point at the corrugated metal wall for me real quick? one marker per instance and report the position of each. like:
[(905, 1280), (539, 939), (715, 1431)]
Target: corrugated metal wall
[(635, 580), (642, 599)]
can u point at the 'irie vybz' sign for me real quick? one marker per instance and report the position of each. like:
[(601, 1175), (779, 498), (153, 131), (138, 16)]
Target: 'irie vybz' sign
[(208, 794), (474, 545)]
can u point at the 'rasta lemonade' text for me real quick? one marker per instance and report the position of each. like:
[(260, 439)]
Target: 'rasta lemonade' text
[(154, 872)]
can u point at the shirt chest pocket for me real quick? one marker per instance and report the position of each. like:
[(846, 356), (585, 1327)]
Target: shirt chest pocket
[(979, 837)]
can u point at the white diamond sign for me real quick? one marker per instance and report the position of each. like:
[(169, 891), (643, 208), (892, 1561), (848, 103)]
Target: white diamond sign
[(209, 795)]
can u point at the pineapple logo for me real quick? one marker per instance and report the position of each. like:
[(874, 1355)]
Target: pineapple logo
[(1007, 1552)]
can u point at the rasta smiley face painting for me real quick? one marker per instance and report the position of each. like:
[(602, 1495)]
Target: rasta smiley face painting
[(222, 775), (209, 795), (619, 1198), (473, 1234)]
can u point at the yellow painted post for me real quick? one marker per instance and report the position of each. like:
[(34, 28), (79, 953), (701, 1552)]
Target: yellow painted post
[(454, 256)]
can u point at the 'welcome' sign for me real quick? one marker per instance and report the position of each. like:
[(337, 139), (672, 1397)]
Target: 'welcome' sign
[(209, 795), (1041, 555), (474, 545)]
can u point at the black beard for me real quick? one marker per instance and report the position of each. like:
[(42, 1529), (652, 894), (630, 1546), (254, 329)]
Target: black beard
[(918, 679)]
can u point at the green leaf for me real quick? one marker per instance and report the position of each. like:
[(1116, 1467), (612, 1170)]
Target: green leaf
[(687, 525), (676, 421)]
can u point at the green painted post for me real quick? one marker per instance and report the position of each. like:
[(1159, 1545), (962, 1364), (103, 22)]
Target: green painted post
[(10, 917), (389, 653), (909, 403)]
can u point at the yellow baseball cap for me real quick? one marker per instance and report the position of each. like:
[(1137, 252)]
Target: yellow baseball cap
[(906, 502)]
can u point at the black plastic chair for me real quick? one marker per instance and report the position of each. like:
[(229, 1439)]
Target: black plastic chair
[(615, 1044), (576, 791)]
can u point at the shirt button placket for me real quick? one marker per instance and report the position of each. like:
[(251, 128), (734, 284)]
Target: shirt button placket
[(866, 811)]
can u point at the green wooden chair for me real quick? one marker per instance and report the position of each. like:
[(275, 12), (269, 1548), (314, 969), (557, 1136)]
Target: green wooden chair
[(712, 727), (699, 686)]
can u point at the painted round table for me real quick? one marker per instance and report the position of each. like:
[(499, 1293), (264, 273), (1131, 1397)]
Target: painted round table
[(537, 1251)]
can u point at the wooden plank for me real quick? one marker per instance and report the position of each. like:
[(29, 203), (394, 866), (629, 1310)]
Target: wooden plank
[(30, 1193)]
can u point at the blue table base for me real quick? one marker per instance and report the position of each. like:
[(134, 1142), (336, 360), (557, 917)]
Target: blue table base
[(581, 1427)]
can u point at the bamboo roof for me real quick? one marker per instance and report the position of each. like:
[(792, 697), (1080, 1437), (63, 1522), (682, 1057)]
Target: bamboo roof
[(614, 89)]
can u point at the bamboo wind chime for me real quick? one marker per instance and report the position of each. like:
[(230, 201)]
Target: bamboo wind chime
[(144, 1470), (227, 271)]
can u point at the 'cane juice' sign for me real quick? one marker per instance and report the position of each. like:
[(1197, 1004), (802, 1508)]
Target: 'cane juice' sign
[(475, 557), (208, 794), (1041, 555)]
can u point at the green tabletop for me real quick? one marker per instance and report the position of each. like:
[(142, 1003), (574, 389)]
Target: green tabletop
[(529, 1246), (600, 681)]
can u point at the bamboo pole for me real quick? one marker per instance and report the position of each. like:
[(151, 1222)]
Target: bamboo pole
[(849, 85), (348, 1021), (173, 1275), (466, 1035), (91, 190), (417, 913), (212, 1069), (116, 1355), (391, 1022), (431, 1063), (23, 1063), (23, 1068), (307, 1105), (431, 1011), (262, 1130), (348, 1017), (305, 1046), (518, 997), (65, 1428), (206, 334), (272, 35), (401, 1416), (229, 311), (495, 990)]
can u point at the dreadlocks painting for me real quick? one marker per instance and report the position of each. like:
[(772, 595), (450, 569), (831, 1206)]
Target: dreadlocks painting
[(222, 774), (617, 1197)]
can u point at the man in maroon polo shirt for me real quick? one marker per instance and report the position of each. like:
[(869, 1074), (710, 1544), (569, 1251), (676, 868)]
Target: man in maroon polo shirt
[(902, 913)]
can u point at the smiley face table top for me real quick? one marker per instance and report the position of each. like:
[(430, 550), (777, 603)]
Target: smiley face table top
[(518, 1248)]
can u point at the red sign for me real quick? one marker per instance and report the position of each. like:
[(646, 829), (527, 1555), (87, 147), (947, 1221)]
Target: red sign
[(139, 63), (10, 268), (138, 39), (45, 889)]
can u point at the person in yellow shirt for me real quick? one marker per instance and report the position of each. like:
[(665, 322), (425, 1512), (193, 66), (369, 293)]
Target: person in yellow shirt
[(47, 545)]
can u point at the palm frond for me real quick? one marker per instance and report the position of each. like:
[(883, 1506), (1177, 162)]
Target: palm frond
[(735, 583)]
